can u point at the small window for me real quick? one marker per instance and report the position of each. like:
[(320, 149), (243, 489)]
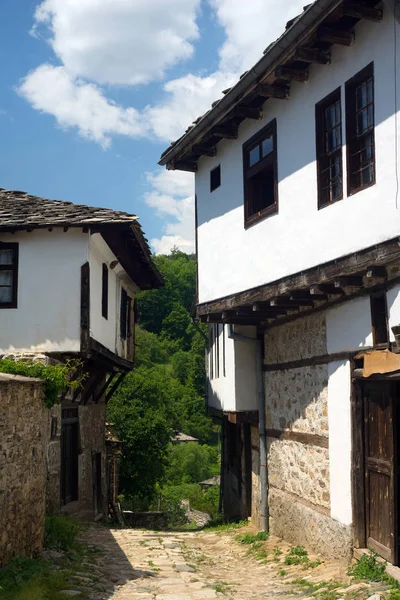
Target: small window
[(210, 352), (360, 135), (223, 351), (260, 175), (124, 314), (379, 319), (104, 292), (8, 275), (215, 178), (328, 121), (216, 334)]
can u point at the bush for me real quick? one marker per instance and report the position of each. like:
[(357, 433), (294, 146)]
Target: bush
[(368, 568), (60, 532)]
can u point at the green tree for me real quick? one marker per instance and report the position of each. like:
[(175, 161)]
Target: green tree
[(190, 463)]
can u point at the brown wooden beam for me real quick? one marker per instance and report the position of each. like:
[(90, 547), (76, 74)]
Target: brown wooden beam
[(353, 281), (225, 132), (313, 55), (290, 74), (336, 36), (287, 302), (361, 11), (306, 295), (273, 91), (203, 151), (325, 288), (248, 113), (376, 273), (182, 166)]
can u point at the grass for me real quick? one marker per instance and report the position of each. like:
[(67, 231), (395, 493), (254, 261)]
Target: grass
[(368, 568), (251, 538), (324, 590), (297, 555), (218, 527), (60, 532)]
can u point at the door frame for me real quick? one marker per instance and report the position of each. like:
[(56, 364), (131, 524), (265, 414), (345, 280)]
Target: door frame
[(68, 419), (358, 462)]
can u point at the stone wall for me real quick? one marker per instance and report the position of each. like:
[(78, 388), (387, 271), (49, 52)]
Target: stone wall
[(23, 423), (92, 420), (298, 439), (255, 478)]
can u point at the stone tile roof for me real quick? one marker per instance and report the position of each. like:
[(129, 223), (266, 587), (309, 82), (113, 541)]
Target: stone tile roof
[(21, 210)]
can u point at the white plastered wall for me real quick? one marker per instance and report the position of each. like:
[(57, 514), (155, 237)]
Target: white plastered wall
[(300, 236), (237, 389), (106, 331), (47, 318)]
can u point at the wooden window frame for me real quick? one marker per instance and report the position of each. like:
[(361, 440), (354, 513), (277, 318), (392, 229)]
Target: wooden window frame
[(216, 335), (249, 172), (374, 319), (14, 268), (352, 139), (323, 156), (213, 173), (123, 320), (104, 291), (223, 351), (210, 351)]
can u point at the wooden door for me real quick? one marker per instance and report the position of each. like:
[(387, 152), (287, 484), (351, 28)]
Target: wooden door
[(69, 456), (98, 496), (380, 466)]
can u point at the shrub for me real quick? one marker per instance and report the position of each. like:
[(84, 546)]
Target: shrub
[(60, 532), (368, 568)]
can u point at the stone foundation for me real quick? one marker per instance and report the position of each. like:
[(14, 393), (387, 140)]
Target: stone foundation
[(23, 438), (304, 525)]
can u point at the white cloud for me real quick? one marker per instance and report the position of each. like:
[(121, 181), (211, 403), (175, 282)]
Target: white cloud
[(75, 103), (173, 196), (119, 41)]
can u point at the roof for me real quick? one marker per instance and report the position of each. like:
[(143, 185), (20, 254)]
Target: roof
[(121, 230), (307, 39), (183, 437), (20, 210)]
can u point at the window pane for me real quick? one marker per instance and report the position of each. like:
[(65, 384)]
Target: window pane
[(369, 91), (362, 121), (5, 294), (6, 257), (6, 278), (361, 96), (330, 116), (267, 146), (254, 156)]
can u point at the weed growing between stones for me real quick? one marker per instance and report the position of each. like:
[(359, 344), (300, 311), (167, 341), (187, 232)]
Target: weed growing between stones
[(368, 568), (60, 532), (251, 538), (324, 590), (218, 527), (297, 555)]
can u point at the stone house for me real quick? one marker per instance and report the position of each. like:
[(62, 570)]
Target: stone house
[(297, 234), (68, 278)]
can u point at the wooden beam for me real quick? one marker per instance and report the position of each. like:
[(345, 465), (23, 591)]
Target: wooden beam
[(203, 151), (115, 386), (290, 74), (336, 36), (182, 166), (248, 113), (225, 132), (287, 302), (376, 273), (273, 91), (353, 281), (313, 55), (361, 11), (306, 295), (325, 288)]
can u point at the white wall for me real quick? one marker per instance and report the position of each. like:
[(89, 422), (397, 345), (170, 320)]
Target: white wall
[(339, 421), (106, 331), (49, 291), (237, 390), (393, 306), (232, 259), (349, 326)]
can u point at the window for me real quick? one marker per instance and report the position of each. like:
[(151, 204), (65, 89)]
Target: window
[(379, 318), (210, 351), (216, 334), (360, 136), (104, 292), (8, 275), (125, 315), (260, 175), (215, 178), (328, 121), (223, 351)]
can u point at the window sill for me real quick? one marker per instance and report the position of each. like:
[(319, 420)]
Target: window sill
[(264, 214), (360, 189), (9, 305), (326, 204)]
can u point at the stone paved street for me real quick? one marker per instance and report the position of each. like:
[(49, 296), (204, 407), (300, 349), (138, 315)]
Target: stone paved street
[(144, 565)]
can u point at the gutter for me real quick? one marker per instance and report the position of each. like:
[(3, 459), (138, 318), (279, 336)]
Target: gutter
[(281, 50), (261, 423)]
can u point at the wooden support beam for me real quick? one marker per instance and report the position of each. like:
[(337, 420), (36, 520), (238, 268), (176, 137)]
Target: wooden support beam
[(306, 295), (376, 273), (361, 11), (225, 132), (336, 36), (203, 151), (273, 91), (115, 386), (248, 113), (353, 281), (287, 302), (290, 74), (105, 386), (182, 166), (325, 288), (313, 55)]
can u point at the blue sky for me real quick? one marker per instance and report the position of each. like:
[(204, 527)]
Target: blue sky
[(93, 91)]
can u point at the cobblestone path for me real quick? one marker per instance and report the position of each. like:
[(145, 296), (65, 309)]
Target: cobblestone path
[(143, 565)]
